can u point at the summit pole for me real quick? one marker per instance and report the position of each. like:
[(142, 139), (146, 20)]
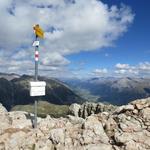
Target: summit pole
[(37, 88), (36, 79)]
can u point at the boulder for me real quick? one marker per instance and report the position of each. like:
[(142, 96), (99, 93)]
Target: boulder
[(124, 108), (5, 120), (20, 119), (141, 103), (74, 109), (57, 136), (94, 129)]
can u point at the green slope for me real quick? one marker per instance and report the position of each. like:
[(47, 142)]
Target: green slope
[(44, 108)]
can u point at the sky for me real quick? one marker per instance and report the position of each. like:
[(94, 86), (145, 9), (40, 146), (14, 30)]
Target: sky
[(83, 38)]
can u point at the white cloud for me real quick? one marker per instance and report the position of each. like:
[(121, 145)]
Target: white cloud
[(126, 70), (144, 66), (99, 72), (121, 71), (69, 28), (141, 69), (122, 66), (144, 69), (54, 59)]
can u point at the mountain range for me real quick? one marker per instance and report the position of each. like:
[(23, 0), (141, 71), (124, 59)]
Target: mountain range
[(14, 90), (116, 91)]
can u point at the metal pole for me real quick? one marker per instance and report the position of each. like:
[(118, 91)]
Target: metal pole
[(36, 79), (35, 114), (36, 61)]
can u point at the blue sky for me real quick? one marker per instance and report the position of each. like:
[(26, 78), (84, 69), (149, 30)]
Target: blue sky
[(132, 48), (83, 38)]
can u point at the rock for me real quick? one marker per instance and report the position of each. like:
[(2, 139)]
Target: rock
[(74, 109), (16, 140), (93, 124), (146, 114), (124, 108), (44, 145), (130, 125), (46, 124), (57, 136), (75, 120), (3, 110), (98, 147), (122, 138), (125, 128), (89, 108), (142, 103), (140, 138), (20, 119), (88, 137), (131, 145), (135, 111), (110, 127), (5, 120)]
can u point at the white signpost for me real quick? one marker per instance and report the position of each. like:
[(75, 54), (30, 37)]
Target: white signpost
[(37, 88)]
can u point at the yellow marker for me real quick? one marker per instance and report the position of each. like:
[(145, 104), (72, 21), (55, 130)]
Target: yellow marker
[(38, 31)]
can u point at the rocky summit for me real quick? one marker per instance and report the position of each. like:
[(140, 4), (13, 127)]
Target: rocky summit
[(89, 126)]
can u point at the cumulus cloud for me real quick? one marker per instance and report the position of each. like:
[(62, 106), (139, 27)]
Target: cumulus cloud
[(126, 69), (144, 66), (142, 69), (70, 27), (54, 59), (122, 66), (99, 72)]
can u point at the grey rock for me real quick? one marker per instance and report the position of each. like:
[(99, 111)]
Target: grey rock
[(74, 109), (5, 120), (124, 108), (98, 133), (20, 119), (89, 108), (57, 136), (98, 147), (125, 128)]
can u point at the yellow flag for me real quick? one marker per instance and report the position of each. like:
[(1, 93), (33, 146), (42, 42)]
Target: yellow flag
[(38, 31)]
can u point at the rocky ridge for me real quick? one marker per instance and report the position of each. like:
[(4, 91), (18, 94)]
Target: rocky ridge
[(89, 108), (122, 128)]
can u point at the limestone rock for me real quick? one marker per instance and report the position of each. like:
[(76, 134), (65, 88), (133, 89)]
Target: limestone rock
[(5, 120), (89, 108), (146, 114), (20, 119), (98, 134), (75, 120), (57, 136), (74, 109), (98, 147), (94, 126), (142, 103), (124, 108), (16, 139)]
